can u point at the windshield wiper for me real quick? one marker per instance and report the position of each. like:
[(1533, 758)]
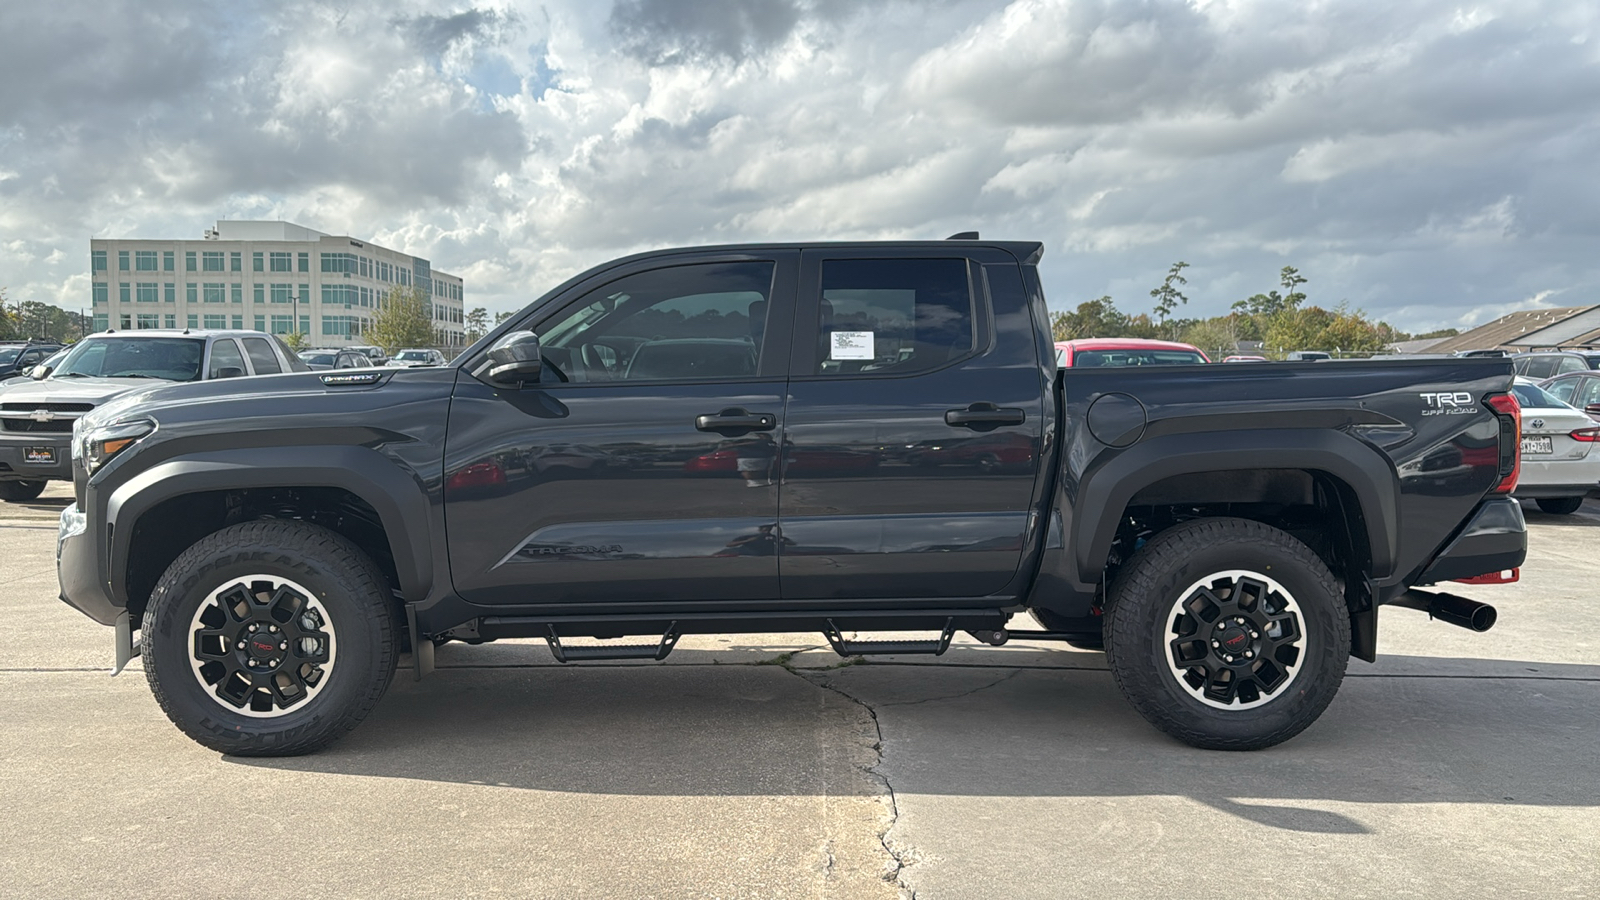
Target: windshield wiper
[(72, 375)]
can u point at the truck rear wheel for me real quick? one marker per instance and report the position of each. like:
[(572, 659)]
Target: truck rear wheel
[(1227, 634), (270, 638), (21, 491)]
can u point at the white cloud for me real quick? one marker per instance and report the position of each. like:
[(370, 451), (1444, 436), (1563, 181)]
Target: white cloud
[(1428, 161)]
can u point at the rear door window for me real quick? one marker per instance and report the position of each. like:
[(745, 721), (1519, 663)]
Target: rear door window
[(893, 316), (1562, 390), (1540, 367), (1571, 364), (262, 358)]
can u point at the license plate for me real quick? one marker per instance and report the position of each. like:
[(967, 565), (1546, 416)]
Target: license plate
[(1533, 445), (41, 455)]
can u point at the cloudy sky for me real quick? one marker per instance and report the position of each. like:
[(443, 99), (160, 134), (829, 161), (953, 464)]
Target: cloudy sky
[(1434, 163)]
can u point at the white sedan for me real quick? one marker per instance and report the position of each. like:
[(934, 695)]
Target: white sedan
[(1560, 465), (412, 358)]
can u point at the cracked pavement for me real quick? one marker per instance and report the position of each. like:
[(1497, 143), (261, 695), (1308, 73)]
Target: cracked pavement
[(764, 766)]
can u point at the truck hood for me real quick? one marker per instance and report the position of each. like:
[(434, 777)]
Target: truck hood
[(73, 390)]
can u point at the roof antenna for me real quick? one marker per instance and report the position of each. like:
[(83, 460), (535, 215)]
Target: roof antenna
[(963, 236)]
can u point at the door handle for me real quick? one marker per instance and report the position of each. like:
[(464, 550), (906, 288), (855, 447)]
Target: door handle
[(984, 417), (735, 421)]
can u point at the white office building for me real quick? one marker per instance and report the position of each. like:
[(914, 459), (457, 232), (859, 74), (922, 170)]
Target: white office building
[(271, 276)]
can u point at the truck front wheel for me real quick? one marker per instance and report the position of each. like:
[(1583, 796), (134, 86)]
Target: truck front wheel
[(1227, 634), (270, 638)]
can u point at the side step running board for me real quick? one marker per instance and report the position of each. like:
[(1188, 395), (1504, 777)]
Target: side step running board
[(934, 647), (656, 651)]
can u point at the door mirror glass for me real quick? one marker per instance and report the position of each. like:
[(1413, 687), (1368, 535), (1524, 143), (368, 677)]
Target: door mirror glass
[(515, 359)]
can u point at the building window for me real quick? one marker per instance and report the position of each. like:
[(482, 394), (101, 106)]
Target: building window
[(260, 292), (281, 262), (216, 292), (304, 260), (122, 260), (238, 323), (172, 292), (305, 294), (188, 261), (144, 260), (192, 320), (305, 325), (127, 321), (100, 293), (282, 324), (169, 321), (237, 292), (340, 262), (191, 292), (169, 261), (149, 320), (148, 292), (236, 262), (256, 264), (211, 261), (99, 321), (261, 323), (281, 293), (97, 260), (366, 271), (124, 291), (216, 321)]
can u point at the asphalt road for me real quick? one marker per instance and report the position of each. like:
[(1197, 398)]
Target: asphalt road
[(759, 766)]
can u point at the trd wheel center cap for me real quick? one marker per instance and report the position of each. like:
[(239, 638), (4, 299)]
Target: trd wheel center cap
[(1233, 639)]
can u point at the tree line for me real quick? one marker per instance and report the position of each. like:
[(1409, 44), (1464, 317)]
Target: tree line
[(1279, 319), (36, 320)]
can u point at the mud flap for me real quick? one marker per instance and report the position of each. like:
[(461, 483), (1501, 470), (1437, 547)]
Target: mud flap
[(421, 646), (126, 648)]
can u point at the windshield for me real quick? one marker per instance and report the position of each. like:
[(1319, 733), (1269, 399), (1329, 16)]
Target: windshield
[(1531, 396), (170, 359), (1092, 358), (413, 354)]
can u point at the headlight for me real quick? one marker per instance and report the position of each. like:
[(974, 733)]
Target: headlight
[(98, 445)]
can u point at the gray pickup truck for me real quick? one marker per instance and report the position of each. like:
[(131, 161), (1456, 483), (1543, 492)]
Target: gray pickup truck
[(838, 438), (36, 415)]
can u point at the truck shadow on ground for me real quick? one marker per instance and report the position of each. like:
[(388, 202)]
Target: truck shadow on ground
[(1038, 732)]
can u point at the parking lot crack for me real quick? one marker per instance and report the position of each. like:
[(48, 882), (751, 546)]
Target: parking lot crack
[(899, 858)]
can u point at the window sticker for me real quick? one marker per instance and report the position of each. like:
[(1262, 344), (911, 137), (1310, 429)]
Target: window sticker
[(851, 345)]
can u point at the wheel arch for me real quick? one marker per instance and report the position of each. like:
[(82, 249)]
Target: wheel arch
[(1357, 473), (163, 510)]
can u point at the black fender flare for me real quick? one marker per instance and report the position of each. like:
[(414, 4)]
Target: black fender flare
[(1104, 490), (397, 495)]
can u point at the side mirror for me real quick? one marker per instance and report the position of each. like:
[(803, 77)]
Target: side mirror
[(1592, 409), (230, 372), (515, 359)]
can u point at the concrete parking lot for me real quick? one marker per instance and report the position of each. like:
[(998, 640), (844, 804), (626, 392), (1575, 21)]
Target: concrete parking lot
[(1459, 765)]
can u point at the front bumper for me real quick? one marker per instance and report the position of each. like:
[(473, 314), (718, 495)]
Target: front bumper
[(1495, 539), (78, 569), (16, 464)]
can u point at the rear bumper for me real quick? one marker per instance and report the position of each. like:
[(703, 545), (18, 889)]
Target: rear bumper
[(1494, 539), (78, 570), (1547, 491), (14, 457)]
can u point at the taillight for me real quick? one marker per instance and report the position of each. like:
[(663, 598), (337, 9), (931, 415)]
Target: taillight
[(1587, 435), (1509, 413)]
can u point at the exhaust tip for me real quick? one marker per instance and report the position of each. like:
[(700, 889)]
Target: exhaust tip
[(1483, 618)]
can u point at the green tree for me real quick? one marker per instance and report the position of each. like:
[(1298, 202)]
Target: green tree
[(404, 319), (296, 340), (1095, 318), (1167, 296), (477, 323), (502, 316)]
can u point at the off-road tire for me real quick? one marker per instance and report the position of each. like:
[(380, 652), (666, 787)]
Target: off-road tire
[(1559, 506), (21, 491), (1137, 631), (345, 582)]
